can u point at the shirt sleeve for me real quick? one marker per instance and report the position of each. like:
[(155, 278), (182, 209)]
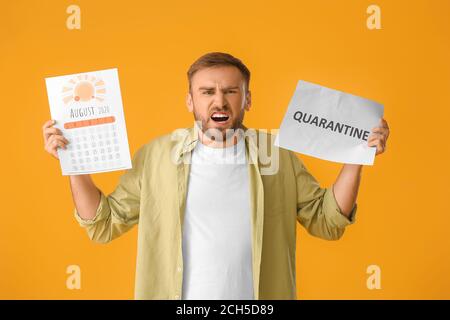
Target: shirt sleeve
[(317, 209), (119, 211)]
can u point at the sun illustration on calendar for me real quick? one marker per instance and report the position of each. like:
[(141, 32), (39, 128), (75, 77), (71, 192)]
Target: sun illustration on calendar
[(83, 88)]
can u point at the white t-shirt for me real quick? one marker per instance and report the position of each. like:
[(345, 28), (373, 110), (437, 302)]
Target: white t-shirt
[(217, 245)]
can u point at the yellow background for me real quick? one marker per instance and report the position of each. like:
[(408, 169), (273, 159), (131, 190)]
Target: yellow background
[(403, 219)]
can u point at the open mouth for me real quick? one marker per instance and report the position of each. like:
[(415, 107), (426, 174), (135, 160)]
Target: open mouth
[(220, 117)]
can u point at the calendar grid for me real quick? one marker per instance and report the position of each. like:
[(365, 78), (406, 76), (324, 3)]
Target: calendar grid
[(94, 148)]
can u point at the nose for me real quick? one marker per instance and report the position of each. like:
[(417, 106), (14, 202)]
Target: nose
[(219, 99)]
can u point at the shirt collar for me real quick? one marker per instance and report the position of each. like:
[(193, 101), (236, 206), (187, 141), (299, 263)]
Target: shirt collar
[(190, 139)]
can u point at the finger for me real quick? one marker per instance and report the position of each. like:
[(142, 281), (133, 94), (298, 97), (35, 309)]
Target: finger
[(52, 145), (385, 125), (51, 150), (56, 141), (48, 124), (372, 143), (62, 139), (55, 154), (375, 136), (51, 131), (381, 130), (376, 143), (380, 147), (379, 144), (59, 137)]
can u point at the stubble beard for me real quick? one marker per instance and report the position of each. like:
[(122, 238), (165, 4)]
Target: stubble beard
[(223, 133)]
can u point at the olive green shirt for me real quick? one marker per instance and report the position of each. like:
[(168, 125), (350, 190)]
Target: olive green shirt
[(153, 195)]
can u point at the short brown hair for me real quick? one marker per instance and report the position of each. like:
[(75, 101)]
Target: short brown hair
[(215, 59)]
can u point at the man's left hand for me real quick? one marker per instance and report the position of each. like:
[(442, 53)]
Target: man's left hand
[(378, 137)]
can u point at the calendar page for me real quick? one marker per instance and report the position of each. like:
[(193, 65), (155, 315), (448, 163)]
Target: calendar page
[(88, 110)]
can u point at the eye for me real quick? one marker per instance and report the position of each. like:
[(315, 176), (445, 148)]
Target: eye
[(231, 91), (208, 92)]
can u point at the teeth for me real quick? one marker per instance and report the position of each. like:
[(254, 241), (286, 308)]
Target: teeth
[(219, 115)]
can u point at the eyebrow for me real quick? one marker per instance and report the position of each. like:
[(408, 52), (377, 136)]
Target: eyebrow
[(213, 88)]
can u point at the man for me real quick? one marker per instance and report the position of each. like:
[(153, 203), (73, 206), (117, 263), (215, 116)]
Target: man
[(211, 224)]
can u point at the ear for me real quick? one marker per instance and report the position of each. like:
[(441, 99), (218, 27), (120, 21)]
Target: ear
[(189, 103), (248, 100)]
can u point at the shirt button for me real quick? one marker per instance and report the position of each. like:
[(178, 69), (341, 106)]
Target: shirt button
[(177, 297), (179, 269)]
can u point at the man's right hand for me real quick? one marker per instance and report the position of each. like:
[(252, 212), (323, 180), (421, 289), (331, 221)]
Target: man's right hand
[(53, 138)]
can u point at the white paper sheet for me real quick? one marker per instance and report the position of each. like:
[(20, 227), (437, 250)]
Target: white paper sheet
[(88, 110), (329, 124)]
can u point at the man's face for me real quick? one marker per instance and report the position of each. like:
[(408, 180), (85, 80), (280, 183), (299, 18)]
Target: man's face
[(218, 99)]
